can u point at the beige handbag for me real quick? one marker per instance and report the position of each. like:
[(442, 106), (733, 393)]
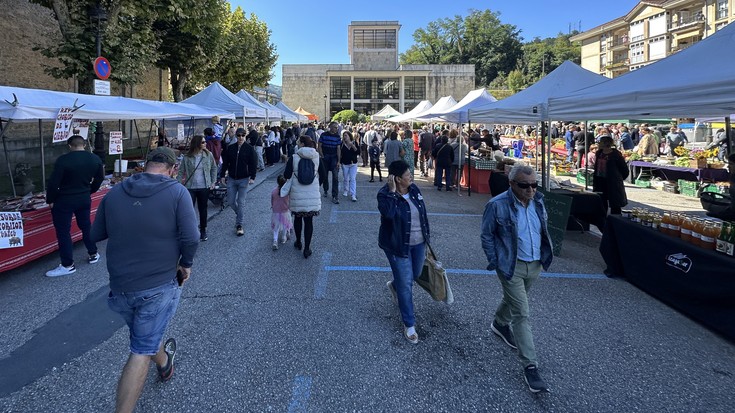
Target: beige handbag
[(434, 279)]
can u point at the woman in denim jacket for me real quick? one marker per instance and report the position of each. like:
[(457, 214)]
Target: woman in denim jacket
[(403, 235)]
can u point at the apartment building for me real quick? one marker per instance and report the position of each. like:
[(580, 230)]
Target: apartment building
[(652, 30)]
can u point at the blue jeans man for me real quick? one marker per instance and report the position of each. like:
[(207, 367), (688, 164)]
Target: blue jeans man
[(237, 191)]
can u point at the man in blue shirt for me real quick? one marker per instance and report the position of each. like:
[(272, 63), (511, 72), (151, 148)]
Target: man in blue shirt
[(516, 242), (330, 150)]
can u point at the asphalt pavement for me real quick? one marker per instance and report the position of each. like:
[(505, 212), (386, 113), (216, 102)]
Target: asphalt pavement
[(269, 331)]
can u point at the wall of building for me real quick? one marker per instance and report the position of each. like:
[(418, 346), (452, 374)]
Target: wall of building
[(447, 80), (375, 60), (306, 85)]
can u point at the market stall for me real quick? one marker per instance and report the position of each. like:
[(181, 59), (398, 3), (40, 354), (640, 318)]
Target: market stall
[(696, 281), (674, 173)]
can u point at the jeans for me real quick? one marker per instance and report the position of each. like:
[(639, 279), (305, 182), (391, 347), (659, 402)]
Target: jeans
[(147, 314), (349, 174), (425, 156), (200, 197), (443, 170), (405, 271), (259, 155), (513, 309), (237, 190), (570, 154), (61, 214), (330, 164)]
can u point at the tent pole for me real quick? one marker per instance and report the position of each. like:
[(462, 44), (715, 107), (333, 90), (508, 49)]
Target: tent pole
[(469, 174), (730, 159), (150, 134), (5, 150), (43, 155), (586, 150), (137, 133), (545, 159)]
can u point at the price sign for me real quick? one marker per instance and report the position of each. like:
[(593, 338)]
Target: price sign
[(11, 230), (116, 143), (63, 123), (180, 135)]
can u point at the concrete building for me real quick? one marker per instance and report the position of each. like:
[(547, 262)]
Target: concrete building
[(652, 30), (373, 78)]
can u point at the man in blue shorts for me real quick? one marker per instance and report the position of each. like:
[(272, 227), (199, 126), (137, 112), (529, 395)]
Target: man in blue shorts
[(152, 234)]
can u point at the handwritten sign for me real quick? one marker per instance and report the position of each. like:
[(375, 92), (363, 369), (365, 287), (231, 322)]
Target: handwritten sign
[(180, 135), (11, 230), (558, 208), (63, 124), (116, 143)]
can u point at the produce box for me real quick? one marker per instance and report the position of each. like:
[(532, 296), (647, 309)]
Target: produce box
[(643, 183), (716, 188), (485, 164), (689, 192), (582, 177), (687, 185), (671, 187), (698, 163)]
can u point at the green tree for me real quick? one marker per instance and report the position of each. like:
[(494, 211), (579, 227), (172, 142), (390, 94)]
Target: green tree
[(128, 40), (189, 32), (542, 56), (247, 56), (480, 39), (516, 81)]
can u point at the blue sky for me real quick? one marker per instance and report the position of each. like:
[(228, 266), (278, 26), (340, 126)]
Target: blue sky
[(316, 31)]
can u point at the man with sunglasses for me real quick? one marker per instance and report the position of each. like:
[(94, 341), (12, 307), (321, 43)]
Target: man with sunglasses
[(517, 244)]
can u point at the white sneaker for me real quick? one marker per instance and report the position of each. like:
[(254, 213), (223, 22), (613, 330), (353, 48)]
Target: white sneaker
[(61, 271), (354, 199), (94, 258), (344, 193)]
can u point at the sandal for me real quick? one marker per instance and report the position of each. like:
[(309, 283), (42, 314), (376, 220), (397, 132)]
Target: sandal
[(413, 339)]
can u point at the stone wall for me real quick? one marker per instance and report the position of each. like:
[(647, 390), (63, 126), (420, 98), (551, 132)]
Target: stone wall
[(375, 60), (447, 80), (306, 85)]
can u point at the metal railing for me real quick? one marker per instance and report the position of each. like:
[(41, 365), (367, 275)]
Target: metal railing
[(688, 21)]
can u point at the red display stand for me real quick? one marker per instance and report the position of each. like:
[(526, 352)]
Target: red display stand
[(478, 181), (39, 236)]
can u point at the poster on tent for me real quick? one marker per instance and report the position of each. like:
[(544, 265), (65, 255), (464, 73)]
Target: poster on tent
[(116, 143), (11, 230), (63, 124), (180, 135), (80, 127)]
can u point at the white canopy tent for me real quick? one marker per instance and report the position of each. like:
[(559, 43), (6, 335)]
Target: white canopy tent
[(690, 83), (284, 108), (385, 113), (459, 112), (441, 105), (529, 105), (22, 104), (423, 106), (217, 96), (271, 113)]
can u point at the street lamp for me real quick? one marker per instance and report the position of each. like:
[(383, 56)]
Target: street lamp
[(99, 14), (326, 109)]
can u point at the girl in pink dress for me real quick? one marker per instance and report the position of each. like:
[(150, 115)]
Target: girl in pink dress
[(281, 218)]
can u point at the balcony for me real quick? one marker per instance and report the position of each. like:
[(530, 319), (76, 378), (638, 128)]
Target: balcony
[(618, 43), (680, 47), (618, 65), (685, 23)]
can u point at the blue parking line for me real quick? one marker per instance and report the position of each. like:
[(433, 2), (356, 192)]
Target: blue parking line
[(320, 285), (460, 271), (300, 394)]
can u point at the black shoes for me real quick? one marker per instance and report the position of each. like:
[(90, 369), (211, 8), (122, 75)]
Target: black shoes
[(203, 234), (372, 180), (307, 253), (335, 200), (535, 383), (239, 231), (504, 333), (297, 244), (167, 371)]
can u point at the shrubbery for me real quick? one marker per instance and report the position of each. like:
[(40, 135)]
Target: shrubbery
[(346, 116)]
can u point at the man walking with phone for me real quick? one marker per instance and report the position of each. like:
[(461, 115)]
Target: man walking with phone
[(151, 228)]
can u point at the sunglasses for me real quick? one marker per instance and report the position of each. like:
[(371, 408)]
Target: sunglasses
[(240, 135), (524, 185)]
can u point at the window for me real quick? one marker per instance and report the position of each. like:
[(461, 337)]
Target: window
[(414, 88), (636, 53), (339, 87), (657, 25), (721, 9), (603, 43), (603, 61), (636, 31), (372, 88), (374, 38), (657, 48)]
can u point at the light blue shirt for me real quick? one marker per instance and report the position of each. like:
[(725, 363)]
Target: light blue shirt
[(528, 225)]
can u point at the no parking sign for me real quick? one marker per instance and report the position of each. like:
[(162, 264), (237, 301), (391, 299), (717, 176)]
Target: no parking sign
[(102, 68)]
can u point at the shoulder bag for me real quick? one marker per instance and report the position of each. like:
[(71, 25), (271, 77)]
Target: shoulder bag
[(434, 279)]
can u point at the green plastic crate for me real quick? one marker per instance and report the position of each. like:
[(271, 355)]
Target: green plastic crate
[(642, 183)]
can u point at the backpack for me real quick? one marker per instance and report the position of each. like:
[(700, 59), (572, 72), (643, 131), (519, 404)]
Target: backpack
[(306, 171)]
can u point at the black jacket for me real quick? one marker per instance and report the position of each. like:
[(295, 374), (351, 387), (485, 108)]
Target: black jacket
[(75, 173), (349, 156), (444, 155), (612, 186), (240, 161)]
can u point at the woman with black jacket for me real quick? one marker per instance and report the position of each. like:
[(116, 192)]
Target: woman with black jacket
[(610, 172), (443, 157)]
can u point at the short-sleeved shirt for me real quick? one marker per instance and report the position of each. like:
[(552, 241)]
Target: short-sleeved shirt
[(330, 143)]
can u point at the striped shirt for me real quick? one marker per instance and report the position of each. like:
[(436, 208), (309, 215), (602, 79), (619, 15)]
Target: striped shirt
[(330, 143)]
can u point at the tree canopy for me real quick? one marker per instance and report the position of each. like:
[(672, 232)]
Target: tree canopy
[(198, 41), (496, 49)]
